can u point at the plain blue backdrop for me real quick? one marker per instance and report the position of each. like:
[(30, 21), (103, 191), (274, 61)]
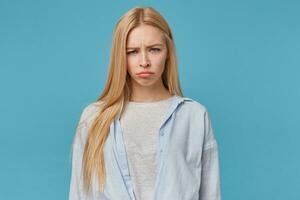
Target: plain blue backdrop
[(240, 59)]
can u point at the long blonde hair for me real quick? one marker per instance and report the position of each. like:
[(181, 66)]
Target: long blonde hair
[(117, 88)]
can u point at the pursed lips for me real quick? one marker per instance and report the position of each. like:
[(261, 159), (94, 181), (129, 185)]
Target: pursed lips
[(145, 73)]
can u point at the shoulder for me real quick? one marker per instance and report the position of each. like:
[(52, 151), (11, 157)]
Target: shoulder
[(194, 106), (89, 112)]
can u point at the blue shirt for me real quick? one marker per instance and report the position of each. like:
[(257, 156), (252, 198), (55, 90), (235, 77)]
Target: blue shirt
[(187, 154)]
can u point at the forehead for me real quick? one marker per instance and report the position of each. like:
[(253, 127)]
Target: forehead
[(145, 34)]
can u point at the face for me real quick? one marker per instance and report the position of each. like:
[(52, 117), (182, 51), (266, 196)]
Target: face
[(146, 51)]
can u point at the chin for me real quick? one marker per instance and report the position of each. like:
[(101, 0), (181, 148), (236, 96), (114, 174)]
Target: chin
[(146, 82)]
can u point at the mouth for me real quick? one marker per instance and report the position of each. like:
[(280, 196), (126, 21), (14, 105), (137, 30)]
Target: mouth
[(145, 74), (140, 73)]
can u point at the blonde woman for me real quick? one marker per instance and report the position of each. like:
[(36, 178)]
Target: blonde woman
[(142, 139)]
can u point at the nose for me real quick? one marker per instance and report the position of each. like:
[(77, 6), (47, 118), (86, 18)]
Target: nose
[(144, 60)]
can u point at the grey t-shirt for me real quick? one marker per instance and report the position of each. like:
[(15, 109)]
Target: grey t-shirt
[(140, 125)]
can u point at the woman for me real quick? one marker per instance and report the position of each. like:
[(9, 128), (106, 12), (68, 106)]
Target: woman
[(142, 139)]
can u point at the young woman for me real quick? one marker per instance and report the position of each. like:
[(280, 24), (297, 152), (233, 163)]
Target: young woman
[(142, 139)]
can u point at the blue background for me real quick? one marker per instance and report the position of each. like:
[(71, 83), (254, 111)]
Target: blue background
[(240, 59)]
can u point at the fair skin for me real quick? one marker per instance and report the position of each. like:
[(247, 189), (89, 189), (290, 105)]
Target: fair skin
[(146, 50)]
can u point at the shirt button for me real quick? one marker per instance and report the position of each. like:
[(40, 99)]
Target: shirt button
[(161, 150), (161, 133)]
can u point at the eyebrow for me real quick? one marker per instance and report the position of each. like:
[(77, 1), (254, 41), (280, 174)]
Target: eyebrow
[(152, 45)]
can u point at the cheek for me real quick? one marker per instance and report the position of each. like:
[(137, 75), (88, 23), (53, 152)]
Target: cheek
[(132, 60), (160, 61), (130, 64)]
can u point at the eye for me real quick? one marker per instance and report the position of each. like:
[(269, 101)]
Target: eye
[(131, 52), (155, 49)]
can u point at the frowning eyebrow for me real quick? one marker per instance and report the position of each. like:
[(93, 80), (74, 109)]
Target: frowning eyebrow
[(158, 44)]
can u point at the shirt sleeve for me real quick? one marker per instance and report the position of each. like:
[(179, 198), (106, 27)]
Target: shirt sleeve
[(210, 174), (75, 192)]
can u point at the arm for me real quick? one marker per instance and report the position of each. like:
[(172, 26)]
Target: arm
[(76, 184), (210, 175), (75, 192)]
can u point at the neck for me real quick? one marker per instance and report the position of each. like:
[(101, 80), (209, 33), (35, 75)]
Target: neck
[(149, 93)]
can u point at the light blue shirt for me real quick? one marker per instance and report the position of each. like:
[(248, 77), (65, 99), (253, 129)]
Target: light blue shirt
[(187, 154)]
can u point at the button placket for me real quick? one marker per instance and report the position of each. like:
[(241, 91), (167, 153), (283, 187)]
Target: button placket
[(161, 134), (124, 160)]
